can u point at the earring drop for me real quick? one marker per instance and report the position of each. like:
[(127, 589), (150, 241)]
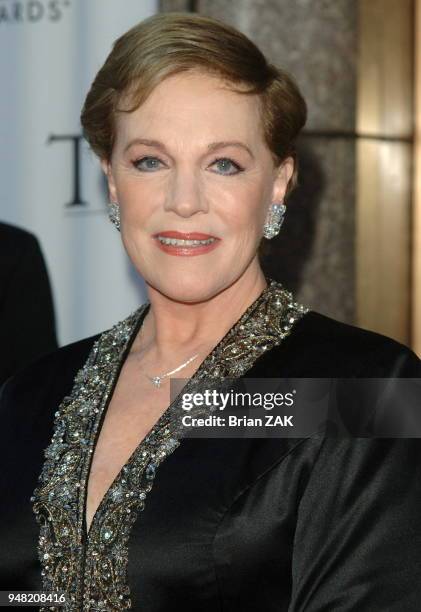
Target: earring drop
[(274, 220), (114, 214)]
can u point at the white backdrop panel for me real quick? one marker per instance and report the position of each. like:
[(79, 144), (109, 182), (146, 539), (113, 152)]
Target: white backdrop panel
[(50, 52)]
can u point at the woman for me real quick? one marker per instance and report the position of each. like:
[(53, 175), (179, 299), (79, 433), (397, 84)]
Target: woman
[(195, 132)]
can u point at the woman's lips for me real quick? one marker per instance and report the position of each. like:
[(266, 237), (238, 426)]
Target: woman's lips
[(185, 250), (184, 235)]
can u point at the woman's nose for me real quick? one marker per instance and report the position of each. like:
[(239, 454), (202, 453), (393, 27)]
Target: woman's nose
[(185, 194)]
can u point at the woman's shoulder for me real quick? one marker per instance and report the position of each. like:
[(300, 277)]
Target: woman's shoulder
[(325, 346), (50, 375), (330, 330)]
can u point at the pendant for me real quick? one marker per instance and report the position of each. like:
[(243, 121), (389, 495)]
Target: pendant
[(156, 381)]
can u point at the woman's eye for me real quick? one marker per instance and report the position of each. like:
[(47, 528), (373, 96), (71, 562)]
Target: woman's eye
[(224, 165), (147, 164)]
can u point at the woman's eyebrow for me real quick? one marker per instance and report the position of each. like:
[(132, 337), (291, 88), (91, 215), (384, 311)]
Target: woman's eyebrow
[(145, 141), (211, 147), (230, 143)]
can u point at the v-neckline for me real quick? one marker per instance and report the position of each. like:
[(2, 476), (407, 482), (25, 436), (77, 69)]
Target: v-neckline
[(142, 312)]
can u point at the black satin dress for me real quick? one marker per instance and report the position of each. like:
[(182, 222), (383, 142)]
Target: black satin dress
[(313, 524)]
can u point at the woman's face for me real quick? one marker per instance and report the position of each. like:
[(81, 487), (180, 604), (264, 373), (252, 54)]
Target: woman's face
[(192, 159)]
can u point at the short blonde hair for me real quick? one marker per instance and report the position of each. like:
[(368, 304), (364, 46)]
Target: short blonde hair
[(170, 43)]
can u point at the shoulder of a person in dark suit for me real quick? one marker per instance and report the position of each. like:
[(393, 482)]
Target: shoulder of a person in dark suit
[(13, 239), (21, 256), (25, 296)]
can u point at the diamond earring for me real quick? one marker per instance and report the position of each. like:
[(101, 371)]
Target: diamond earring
[(274, 220), (114, 214)]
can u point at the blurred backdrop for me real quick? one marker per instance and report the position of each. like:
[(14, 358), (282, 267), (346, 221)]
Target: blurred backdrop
[(350, 246)]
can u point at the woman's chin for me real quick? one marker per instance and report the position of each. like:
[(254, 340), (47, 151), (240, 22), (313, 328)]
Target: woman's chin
[(188, 288)]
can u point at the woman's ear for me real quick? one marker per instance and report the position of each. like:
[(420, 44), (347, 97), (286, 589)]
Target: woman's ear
[(284, 174), (106, 167)]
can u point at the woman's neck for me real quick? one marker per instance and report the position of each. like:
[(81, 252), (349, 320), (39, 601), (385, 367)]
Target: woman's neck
[(173, 329)]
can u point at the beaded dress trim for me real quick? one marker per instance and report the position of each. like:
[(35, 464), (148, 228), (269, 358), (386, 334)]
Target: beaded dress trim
[(92, 567)]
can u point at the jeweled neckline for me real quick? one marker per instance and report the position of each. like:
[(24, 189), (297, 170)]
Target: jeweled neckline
[(142, 311)]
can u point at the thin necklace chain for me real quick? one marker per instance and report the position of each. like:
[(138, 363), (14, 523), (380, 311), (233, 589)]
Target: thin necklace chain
[(156, 380)]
